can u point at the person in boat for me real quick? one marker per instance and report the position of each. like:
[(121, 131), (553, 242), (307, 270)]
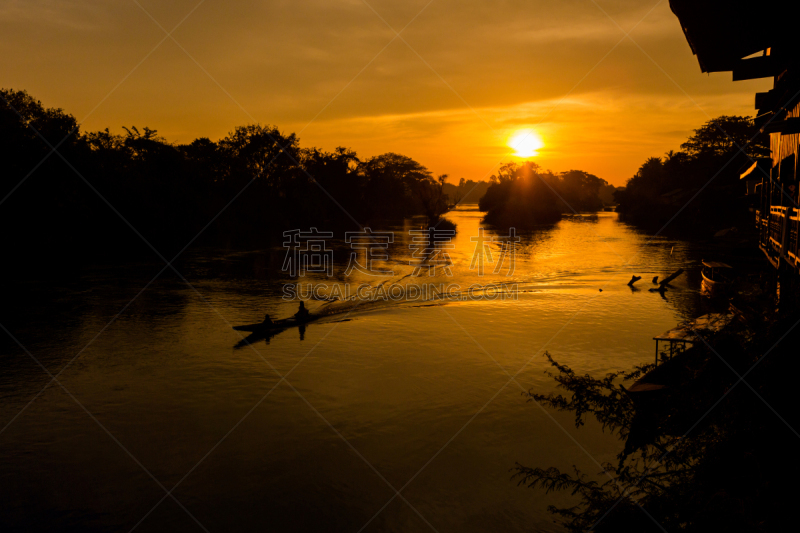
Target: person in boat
[(267, 321), (302, 313)]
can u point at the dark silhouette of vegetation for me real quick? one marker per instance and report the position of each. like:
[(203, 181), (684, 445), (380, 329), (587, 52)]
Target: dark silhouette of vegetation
[(701, 180), (466, 192), (260, 179), (705, 454), (524, 196)]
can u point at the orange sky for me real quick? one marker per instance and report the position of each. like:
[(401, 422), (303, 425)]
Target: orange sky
[(460, 79)]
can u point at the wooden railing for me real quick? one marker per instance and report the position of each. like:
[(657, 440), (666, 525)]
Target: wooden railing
[(792, 227), (776, 227), (780, 233)]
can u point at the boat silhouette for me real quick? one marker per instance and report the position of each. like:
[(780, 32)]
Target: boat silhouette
[(266, 330)]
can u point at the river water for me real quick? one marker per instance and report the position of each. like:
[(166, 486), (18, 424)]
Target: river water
[(320, 429)]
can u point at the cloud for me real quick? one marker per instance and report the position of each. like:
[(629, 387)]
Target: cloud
[(465, 74), (607, 133), (76, 15)]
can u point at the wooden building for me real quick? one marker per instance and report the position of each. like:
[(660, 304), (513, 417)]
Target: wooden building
[(759, 39)]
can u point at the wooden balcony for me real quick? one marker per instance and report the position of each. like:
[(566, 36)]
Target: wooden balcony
[(779, 235)]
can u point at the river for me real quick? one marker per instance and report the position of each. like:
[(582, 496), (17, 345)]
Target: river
[(319, 429)]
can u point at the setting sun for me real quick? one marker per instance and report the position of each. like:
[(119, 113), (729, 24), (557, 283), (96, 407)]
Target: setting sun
[(505, 209), (526, 143)]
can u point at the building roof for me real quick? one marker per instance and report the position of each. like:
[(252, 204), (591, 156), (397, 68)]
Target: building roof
[(758, 170), (723, 32)]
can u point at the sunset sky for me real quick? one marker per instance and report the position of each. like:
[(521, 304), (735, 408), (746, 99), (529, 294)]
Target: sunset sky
[(461, 79)]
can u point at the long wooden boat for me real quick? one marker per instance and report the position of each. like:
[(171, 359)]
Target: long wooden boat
[(265, 331), (277, 325)]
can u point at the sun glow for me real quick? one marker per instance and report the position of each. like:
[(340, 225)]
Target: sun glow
[(526, 143)]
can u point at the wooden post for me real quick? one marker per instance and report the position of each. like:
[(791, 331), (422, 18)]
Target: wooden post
[(663, 283)]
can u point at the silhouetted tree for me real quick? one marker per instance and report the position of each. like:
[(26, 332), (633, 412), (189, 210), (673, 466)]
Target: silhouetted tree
[(701, 455), (725, 135), (466, 192), (524, 196), (244, 189), (390, 181), (701, 180)]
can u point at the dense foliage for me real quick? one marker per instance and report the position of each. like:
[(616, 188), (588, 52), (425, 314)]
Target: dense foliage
[(69, 194), (524, 196), (697, 188), (712, 452)]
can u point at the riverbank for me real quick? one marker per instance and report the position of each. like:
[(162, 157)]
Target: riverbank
[(709, 444)]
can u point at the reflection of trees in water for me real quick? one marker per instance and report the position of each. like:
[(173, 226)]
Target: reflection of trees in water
[(57, 317), (534, 254)]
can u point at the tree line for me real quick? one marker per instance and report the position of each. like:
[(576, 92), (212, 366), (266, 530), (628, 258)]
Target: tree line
[(466, 192), (65, 192), (525, 195), (699, 183)]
